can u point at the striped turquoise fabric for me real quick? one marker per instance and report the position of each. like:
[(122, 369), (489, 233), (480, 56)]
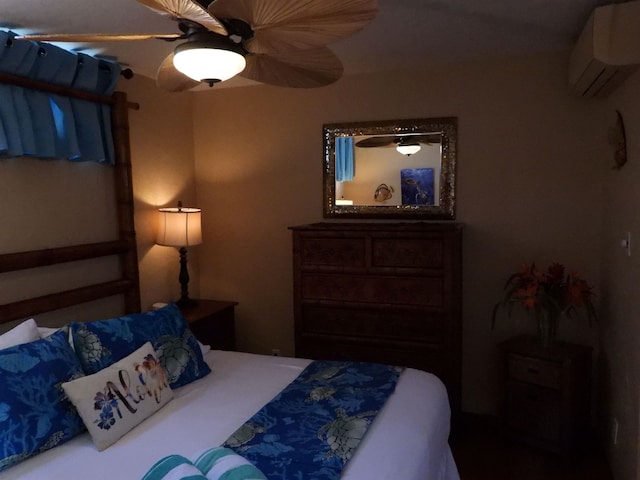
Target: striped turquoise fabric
[(213, 464), (224, 464)]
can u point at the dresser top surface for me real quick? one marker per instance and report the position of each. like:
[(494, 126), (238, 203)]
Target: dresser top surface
[(381, 227)]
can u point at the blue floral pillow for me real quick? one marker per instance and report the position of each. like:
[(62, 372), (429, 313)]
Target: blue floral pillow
[(35, 414), (101, 343)]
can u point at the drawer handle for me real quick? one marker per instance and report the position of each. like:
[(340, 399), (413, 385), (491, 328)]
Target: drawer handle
[(533, 370)]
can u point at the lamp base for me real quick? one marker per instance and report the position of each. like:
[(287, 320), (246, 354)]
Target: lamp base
[(186, 303)]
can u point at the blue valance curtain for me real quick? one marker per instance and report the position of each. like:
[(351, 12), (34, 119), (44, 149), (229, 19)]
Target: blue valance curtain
[(345, 168), (48, 125)]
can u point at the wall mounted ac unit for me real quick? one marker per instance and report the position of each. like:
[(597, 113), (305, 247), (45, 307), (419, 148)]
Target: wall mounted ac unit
[(607, 51)]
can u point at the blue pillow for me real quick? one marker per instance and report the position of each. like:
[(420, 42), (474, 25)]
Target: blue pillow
[(35, 414), (101, 343)]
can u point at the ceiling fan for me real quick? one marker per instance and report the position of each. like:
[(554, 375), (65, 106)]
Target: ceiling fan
[(394, 140), (278, 42), (407, 144)]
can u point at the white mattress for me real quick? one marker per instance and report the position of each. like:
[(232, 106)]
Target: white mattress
[(407, 440)]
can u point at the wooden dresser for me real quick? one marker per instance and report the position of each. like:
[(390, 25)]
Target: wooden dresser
[(547, 393), (381, 292)]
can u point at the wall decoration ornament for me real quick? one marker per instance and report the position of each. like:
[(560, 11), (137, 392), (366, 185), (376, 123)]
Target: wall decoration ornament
[(618, 140), (383, 192)]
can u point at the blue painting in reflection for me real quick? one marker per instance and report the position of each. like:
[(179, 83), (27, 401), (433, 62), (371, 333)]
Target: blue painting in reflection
[(417, 186)]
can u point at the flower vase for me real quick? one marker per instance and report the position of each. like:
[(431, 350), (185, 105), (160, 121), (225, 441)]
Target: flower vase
[(547, 327)]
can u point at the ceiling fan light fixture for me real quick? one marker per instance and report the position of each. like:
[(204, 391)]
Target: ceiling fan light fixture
[(208, 62), (408, 149)]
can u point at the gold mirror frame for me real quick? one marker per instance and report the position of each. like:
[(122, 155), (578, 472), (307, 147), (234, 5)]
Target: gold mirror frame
[(445, 210)]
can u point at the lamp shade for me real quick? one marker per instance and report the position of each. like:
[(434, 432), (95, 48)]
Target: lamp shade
[(408, 149), (203, 62), (180, 227)]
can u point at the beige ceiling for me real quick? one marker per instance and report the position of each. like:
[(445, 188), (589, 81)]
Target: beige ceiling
[(405, 32)]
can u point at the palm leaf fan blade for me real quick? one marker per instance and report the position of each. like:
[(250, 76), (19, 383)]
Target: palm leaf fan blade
[(281, 25), (428, 138), (298, 69), (188, 10), (373, 142), (170, 79), (95, 37)]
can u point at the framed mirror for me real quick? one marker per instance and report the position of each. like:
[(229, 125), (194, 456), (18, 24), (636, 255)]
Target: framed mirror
[(390, 169)]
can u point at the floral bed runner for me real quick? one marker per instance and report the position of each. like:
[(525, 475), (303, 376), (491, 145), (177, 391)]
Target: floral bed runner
[(312, 428)]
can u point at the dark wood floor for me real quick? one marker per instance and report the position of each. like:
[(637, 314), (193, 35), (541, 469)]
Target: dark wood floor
[(483, 453)]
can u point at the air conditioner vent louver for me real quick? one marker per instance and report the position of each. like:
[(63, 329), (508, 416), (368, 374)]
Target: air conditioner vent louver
[(607, 51)]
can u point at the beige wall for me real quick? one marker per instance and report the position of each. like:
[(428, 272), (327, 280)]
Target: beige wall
[(43, 203), (529, 188), (48, 204), (534, 183), (620, 280), (163, 173)]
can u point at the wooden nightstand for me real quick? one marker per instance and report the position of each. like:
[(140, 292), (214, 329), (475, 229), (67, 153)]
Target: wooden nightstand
[(546, 393), (212, 322)]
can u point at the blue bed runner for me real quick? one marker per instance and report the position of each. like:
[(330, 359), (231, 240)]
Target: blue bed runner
[(311, 429)]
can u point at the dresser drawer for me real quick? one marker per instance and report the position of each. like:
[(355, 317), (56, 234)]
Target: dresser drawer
[(333, 252), (535, 371), (424, 252), (381, 323), (535, 410), (426, 357), (391, 290)]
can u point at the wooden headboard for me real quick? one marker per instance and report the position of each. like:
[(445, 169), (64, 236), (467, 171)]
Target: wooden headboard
[(124, 247)]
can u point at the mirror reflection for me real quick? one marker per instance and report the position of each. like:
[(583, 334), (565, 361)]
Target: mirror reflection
[(390, 169)]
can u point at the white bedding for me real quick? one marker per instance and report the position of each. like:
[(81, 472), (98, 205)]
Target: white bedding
[(408, 439)]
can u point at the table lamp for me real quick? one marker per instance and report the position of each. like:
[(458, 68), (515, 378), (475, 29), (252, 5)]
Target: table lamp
[(181, 227)]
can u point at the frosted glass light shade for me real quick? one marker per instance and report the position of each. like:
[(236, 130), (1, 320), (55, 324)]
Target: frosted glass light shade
[(208, 64), (180, 227), (408, 149)]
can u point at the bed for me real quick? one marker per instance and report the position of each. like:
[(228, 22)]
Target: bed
[(408, 438)]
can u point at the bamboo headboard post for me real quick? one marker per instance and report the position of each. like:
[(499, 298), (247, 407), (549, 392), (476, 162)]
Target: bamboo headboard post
[(125, 246), (124, 197)]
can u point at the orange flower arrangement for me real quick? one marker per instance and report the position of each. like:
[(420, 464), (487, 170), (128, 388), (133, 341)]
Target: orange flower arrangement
[(548, 295)]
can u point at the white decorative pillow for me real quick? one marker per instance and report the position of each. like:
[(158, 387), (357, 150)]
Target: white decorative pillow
[(44, 332), (204, 349), (119, 397), (25, 332)]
